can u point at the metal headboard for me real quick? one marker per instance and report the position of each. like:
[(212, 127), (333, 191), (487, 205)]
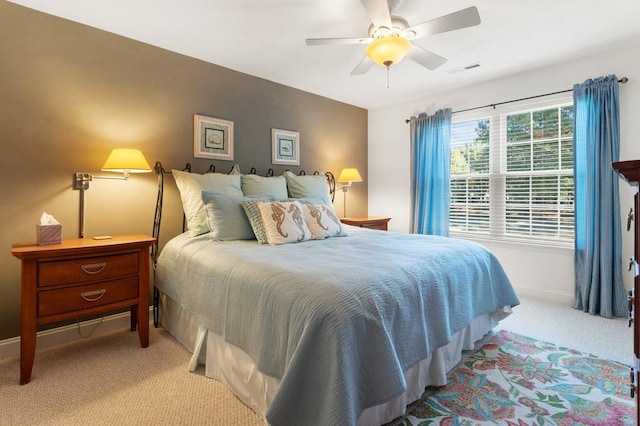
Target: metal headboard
[(157, 219), (331, 181)]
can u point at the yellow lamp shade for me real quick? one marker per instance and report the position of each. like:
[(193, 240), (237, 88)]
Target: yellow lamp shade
[(126, 160), (388, 50), (350, 175)]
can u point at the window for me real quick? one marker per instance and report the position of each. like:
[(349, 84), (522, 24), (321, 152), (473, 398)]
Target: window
[(512, 175), (470, 176)]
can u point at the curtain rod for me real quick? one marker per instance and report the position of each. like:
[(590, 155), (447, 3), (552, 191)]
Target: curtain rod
[(623, 80)]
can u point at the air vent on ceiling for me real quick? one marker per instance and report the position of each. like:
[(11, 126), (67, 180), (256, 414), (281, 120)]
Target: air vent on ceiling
[(465, 68)]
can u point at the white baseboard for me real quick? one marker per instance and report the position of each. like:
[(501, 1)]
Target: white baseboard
[(548, 296), (68, 333)]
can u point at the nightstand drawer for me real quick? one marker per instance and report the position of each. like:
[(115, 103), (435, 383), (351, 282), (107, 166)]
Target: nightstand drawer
[(60, 301), (375, 225), (86, 269)]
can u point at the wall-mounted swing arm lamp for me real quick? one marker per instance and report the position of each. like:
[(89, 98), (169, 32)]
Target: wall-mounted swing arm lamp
[(121, 160), (346, 178)]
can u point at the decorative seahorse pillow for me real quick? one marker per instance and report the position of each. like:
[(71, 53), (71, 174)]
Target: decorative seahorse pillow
[(284, 222), (323, 221)]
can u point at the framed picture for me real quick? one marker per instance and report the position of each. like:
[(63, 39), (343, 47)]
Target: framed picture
[(285, 147), (212, 138)]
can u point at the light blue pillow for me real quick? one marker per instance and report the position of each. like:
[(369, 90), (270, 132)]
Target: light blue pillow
[(226, 218), (191, 186), (274, 186), (308, 186), (317, 200)]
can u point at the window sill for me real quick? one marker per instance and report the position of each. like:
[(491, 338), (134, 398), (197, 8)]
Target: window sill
[(521, 244)]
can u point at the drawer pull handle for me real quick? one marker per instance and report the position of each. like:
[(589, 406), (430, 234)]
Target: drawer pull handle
[(93, 268), (92, 296), (631, 300)]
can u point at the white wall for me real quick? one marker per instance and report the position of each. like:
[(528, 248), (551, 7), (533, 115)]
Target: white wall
[(545, 273)]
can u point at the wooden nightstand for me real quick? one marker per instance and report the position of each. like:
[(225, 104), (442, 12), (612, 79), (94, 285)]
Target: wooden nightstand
[(367, 222), (79, 277)]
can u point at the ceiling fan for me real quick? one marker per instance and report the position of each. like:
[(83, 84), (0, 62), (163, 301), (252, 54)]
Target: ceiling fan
[(390, 36)]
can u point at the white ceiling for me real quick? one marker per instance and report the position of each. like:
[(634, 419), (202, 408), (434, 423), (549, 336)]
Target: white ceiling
[(266, 38)]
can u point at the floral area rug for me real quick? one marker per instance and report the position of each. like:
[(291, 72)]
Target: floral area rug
[(518, 381)]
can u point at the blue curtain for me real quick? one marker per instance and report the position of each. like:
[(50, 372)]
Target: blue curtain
[(430, 172), (598, 242)]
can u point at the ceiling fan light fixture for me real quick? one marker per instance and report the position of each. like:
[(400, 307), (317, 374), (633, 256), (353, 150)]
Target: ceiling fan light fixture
[(388, 50)]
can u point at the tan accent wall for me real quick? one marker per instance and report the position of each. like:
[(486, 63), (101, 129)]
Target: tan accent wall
[(70, 93)]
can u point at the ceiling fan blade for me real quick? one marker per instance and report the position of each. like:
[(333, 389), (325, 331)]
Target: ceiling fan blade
[(464, 18), (378, 11), (364, 66), (425, 58), (352, 40)]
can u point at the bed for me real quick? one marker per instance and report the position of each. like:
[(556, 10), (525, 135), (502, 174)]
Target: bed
[(345, 329)]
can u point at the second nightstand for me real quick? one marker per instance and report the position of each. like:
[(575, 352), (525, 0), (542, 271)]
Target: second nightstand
[(79, 277), (367, 222)]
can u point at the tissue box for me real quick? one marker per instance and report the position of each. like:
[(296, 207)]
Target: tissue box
[(48, 234)]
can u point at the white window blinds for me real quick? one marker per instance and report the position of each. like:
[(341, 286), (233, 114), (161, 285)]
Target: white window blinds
[(512, 174)]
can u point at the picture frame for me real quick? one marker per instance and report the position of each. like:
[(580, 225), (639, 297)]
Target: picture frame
[(212, 138), (285, 147)]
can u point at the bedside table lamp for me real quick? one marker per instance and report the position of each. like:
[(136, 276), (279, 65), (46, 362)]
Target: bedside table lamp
[(121, 160), (346, 178)]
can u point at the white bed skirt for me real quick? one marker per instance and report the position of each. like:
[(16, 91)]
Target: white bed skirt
[(235, 369)]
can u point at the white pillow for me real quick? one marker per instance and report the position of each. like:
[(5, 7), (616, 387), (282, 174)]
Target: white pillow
[(284, 222), (308, 186), (323, 221), (191, 186)]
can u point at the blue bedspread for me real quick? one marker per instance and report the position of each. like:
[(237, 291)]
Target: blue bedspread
[(338, 321)]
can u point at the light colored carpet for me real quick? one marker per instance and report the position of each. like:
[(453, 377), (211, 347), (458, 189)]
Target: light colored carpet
[(108, 379), (561, 324)]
